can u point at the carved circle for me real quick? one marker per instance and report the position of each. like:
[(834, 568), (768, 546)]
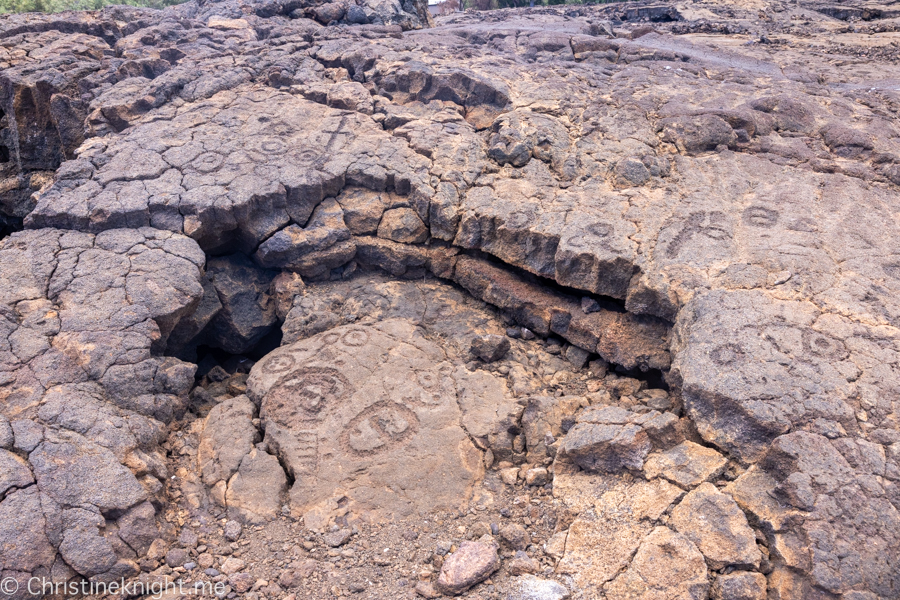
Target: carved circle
[(208, 162), (331, 338), (305, 394), (823, 346), (305, 157), (271, 145), (380, 428), (280, 363), (355, 338), (596, 234), (428, 379)]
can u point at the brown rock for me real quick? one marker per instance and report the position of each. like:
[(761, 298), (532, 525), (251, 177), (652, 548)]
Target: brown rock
[(514, 536), (739, 585), (402, 225), (713, 521), (241, 582), (490, 348), (609, 448), (687, 464), (522, 564), (232, 565), (667, 565), (472, 563)]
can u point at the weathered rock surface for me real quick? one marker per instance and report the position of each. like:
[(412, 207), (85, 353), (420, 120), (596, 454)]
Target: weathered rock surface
[(472, 563), (529, 587), (703, 193), (667, 565), (85, 393), (713, 521), (376, 415)]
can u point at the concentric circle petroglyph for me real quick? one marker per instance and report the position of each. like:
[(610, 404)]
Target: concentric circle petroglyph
[(379, 428), (304, 395), (280, 363)]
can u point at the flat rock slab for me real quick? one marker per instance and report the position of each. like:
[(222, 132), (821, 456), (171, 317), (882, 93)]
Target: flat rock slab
[(371, 417)]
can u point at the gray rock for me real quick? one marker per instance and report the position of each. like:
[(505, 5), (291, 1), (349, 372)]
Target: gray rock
[(228, 435), (529, 587), (577, 356), (14, 472), (608, 448), (6, 433), (248, 312), (176, 557), (73, 470), (24, 544), (27, 434), (338, 538), (323, 244), (739, 585), (233, 530), (138, 527)]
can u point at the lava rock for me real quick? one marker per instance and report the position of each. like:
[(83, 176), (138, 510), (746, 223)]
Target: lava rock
[(715, 523), (490, 348)]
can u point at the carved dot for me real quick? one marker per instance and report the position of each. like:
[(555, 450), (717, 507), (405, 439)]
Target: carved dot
[(823, 346)]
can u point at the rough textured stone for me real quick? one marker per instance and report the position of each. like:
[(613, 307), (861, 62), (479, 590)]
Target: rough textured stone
[(248, 312), (257, 491), (490, 348), (227, 437), (611, 526), (529, 587), (713, 521), (727, 203), (402, 225), (390, 395), (607, 438), (472, 563), (739, 585), (687, 464), (14, 472), (667, 565)]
